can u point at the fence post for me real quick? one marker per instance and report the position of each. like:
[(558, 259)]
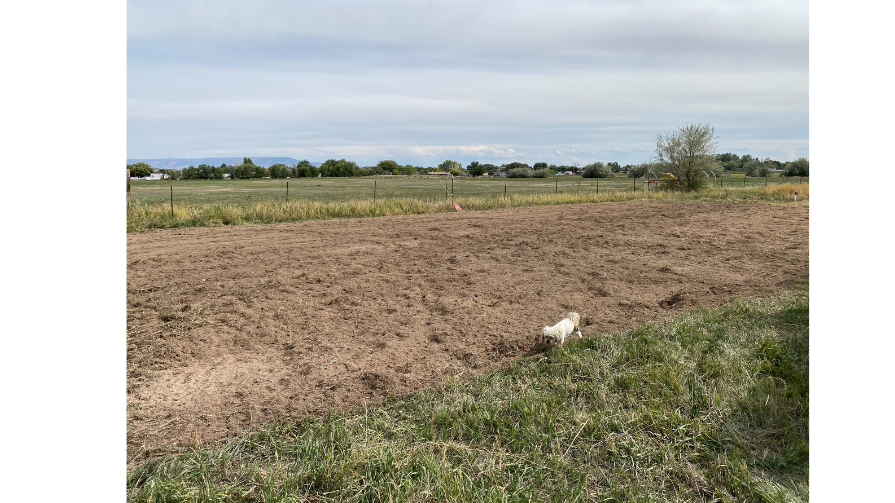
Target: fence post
[(598, 185), (635, 184), (766, 180), (556, 189), (374, 191), (744, 181), (287, 192), (504, 190), (128, 190), (172, 201), (722, 180), (579, 186), (800, 180)]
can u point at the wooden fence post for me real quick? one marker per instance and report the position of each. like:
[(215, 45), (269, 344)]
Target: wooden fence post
[(556, 189), (128, 190), (504, 189), (744, 181), (579, 186), (172, 201), (287, 192), (374, 191)]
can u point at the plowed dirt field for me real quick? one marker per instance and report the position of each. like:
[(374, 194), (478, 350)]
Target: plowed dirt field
[(230, 327)]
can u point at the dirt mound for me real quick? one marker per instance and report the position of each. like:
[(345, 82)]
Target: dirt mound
[(229, 327)]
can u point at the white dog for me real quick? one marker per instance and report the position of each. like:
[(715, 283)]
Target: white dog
[(558, 334)]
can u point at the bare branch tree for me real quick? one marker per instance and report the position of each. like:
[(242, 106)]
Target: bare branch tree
[(686, 153)]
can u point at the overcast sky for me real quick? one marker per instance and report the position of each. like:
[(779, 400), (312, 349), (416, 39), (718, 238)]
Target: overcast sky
[(421, 82)]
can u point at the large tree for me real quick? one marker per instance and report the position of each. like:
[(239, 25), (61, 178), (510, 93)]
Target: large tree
[(687, 153), (449, 165), (305, 169), (729, 161), (259, 171), (799, 167), (278, 170), (140, 169), (334, 167), (386, 166), (475, 169)]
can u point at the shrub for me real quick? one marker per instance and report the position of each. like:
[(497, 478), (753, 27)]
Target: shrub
[(639, 170), (687, 153), (519, 173), (597, 170), (757, 168), (799, 167)]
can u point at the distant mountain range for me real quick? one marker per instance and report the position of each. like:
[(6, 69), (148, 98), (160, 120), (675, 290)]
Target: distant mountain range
[(180, 163)]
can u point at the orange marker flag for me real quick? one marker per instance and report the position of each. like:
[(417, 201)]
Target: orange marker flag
[(457, 206)]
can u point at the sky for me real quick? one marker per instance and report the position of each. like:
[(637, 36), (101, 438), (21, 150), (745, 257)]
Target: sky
[(498, 82)]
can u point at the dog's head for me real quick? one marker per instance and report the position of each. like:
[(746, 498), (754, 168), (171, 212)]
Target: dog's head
[(547, 337)]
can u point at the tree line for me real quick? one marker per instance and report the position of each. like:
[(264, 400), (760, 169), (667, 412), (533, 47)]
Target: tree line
[(700, 156)]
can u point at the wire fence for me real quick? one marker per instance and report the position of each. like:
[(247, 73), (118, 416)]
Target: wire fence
[(202, 192)]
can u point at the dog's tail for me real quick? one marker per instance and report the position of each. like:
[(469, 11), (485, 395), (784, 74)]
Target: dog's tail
[(576, 319)]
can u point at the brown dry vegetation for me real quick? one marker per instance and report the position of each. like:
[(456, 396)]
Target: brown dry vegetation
[(230, 327)]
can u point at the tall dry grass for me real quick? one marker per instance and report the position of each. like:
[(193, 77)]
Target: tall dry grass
[(143, 217)]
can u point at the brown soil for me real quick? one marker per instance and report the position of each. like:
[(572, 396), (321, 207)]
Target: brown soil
[(230, 327)]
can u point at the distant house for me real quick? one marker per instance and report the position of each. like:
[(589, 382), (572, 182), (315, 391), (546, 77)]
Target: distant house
[(154, 176), (500, 173)]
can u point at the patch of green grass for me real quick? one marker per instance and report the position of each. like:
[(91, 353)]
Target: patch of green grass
[(709, 405)]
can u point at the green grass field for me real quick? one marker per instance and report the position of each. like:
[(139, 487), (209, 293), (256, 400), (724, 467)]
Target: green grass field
[(199, 203), (344, 189), (241, 192), (708, 405)]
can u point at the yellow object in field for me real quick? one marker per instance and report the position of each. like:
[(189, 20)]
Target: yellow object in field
[(667, 177)]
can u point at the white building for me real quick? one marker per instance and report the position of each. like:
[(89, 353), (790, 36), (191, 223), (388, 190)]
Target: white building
[(154, 176)]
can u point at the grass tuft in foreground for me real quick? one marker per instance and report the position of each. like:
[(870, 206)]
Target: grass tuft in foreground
[(709, 405)]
